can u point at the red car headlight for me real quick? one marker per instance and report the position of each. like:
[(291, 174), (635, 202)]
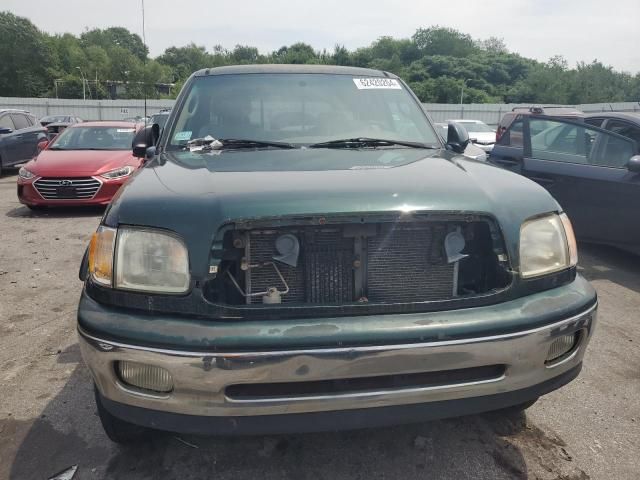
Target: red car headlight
[(118, 173), (25, 174)]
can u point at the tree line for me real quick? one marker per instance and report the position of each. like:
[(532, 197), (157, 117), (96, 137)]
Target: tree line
[(438, 63)]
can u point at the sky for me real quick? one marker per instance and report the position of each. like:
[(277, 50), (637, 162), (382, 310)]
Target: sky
[(579, 30)]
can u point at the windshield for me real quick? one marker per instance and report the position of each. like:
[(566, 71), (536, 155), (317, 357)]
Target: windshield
[(476, 127), (300, 109), (94, 138)]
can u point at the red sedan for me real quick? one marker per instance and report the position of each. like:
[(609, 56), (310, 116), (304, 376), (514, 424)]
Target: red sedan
[(84, 165)]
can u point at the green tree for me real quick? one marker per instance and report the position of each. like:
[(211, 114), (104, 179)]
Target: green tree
[(443, 41), (183, 61), (298, 53), (116, 37), (25, 58)]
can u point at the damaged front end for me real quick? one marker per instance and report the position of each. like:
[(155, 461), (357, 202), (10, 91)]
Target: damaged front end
[(385, 263)]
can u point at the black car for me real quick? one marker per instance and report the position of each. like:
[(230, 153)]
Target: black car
[(44, 121), (20, 134), (593, 172), (557, 111)]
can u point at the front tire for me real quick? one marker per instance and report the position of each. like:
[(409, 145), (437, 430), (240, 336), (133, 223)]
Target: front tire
[(37, 208), (116, 429)]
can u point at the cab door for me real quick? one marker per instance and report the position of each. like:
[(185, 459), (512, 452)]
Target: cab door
[(27, 137), (9, 142), (585, 169), (508, 152)]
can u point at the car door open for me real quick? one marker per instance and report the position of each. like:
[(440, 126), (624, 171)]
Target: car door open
[(585, 169)]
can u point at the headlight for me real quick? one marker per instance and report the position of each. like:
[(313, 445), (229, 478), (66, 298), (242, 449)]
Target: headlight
[(118, 173), (139, 259), (547, 245), (25, 174), (151, 261), (101, 255)]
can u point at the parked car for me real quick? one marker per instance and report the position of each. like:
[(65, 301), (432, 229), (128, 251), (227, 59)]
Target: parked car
[(161, 117), (69, 119), (137, 119), (303, 252), (20, 137), (84, 165), (507, 119), (54, 129), (593, 173), (480, 134), (471, 151)]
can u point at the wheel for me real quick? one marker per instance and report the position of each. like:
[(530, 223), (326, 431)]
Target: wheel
[(116, 429), (37, 208)]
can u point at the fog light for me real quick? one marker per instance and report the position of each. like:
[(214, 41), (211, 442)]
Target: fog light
[(144, 376), (561, 346)]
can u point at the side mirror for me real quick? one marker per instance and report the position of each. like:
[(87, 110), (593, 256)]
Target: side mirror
[(457, 138), (145, 138), (42, 144), (634, 164), (5, 130)]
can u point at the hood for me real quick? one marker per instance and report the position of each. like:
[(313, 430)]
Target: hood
[(194, 194), (50, 163), (483, 137)]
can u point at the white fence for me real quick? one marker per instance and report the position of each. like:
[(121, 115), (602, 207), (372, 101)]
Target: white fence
[(86, 109), (120, 109)]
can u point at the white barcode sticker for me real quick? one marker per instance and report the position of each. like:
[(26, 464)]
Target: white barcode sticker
[(377, 82)]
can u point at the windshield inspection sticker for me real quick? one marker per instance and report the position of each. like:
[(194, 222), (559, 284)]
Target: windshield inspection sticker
[(180, 136), (126, 130), (369, 83)]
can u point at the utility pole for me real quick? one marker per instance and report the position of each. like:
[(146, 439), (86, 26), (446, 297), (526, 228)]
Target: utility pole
[(464, 82), (84, 94), (144, 84)]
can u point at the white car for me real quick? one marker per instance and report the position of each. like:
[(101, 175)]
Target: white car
[(480, 133), (472, 150)]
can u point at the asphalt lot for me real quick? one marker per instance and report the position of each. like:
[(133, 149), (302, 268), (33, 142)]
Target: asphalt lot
[(48, 421)]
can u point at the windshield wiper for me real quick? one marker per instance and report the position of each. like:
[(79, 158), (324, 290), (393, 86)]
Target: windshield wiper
[(360, 142), (209, 143)]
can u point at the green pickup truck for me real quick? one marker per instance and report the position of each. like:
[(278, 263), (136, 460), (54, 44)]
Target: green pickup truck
[(301, 251)]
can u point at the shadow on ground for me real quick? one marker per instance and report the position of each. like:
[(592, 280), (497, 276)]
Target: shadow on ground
[(69, 433), (601, 262)]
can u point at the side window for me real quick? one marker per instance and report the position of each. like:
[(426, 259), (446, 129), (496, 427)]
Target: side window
[(5, 122), (615, 152), (558, 141), (625, 129), (513, 137), (20, 121), (596, 122)]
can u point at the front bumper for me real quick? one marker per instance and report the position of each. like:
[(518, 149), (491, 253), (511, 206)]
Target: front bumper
[(202, 379), (28, 195)]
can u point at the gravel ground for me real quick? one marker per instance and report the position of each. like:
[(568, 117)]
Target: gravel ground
[(48, 420)]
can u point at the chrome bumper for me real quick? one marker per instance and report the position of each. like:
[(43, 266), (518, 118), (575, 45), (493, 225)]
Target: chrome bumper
[(200, 378)]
